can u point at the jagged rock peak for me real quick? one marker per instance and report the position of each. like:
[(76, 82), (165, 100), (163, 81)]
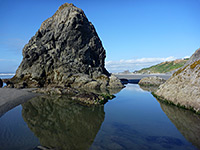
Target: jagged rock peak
[(65, 5), (64, 10), (66, 50), (194, 57)]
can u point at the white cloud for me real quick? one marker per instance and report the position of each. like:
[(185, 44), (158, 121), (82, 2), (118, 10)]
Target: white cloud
[(187, 57), (134, 64), (134, 88)]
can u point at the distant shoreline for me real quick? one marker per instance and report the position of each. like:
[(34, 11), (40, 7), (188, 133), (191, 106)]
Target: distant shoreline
[(140, 76)]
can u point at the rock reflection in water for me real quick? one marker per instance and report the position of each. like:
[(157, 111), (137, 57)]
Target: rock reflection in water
[(187, 122), (61, 123), (149, 88)]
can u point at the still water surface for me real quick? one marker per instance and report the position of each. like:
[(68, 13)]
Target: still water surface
[(134, 120)]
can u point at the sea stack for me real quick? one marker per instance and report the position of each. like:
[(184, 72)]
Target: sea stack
[(66, 51), (182, 89)]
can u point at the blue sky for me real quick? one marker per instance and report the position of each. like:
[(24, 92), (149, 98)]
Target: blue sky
[(135, 33)]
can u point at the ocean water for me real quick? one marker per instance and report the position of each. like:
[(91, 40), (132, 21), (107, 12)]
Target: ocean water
[(134, 120), (6, 75)]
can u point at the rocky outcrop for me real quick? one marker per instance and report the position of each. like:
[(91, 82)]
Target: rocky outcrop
[(182, 89), (90, 97), (65, 51), (8, 83), (1, 83), (193, 58), (151, 81), (62, 124)]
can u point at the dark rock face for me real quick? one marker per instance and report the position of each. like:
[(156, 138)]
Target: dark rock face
[(1, 83), (65, 49), (61, 124), (8, 83)]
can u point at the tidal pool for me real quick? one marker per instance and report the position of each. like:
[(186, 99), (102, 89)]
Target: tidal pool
[(134, 120)]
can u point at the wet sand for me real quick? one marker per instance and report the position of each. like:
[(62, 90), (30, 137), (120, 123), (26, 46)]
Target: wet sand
[(10, 98)]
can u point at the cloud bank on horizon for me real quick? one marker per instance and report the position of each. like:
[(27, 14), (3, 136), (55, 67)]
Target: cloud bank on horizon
[(134, 64), (111, 66)]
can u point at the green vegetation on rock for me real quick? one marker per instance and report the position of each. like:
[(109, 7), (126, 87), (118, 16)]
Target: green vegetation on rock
[(164, 67), (192, 66), (163, 100)]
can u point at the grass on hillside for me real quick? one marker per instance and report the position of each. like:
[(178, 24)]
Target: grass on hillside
[(164, 67)]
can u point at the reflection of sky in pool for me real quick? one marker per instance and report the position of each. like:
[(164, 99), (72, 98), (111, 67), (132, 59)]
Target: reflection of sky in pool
[(14, 132)]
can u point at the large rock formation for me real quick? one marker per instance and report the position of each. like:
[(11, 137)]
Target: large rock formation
[(183, 88), (65, 51)]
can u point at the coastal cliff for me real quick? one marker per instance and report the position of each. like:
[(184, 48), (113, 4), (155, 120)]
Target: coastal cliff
[(182, 89)]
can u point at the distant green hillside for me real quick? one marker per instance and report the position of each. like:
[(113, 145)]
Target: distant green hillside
[(164, 67)]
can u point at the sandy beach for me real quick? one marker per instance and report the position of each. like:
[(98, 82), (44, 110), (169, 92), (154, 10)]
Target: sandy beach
[(10, 98)]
